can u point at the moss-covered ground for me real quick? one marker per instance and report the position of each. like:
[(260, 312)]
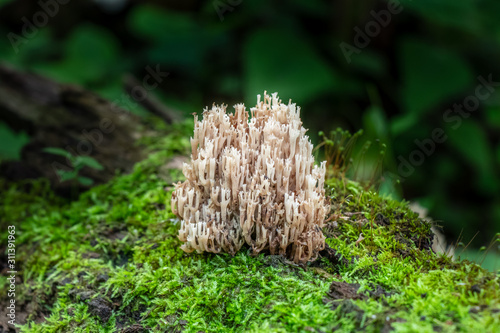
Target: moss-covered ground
[(110, 262)]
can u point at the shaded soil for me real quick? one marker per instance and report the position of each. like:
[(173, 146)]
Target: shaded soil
[(101, 308), (344, 290)]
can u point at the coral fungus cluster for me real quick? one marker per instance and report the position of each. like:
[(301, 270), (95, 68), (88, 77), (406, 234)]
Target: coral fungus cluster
[(252, 181)]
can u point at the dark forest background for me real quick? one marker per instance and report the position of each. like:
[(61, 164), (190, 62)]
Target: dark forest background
[(400, 70)]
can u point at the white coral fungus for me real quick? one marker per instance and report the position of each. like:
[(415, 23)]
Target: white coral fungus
[(252, 181)]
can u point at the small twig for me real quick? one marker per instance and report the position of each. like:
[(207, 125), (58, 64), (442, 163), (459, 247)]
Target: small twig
[(150, 102)]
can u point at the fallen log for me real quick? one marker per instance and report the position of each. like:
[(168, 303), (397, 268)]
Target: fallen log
[(70, 118)]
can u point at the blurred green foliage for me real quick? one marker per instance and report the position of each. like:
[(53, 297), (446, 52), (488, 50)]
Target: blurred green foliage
[(397, 88), (13, 143), (78, 163)]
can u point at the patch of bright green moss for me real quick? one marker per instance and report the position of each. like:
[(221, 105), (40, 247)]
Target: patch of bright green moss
[(111, 259)]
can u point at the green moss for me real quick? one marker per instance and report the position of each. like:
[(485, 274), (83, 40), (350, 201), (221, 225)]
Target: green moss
[(111, 259)]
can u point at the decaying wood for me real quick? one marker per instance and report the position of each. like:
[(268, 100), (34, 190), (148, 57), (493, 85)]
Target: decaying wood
[(68, 117)]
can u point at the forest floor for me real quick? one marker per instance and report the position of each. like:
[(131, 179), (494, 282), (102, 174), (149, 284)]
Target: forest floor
[(110, 261)]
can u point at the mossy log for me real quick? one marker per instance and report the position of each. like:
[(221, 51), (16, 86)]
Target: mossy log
[(111, 262)]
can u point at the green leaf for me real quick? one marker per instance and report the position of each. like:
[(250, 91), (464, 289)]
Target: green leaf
[(369, 62), (471, 142), (57, 151), (153, 23), (176, 38), (12, 150), (402, 123), (375, 123), (88, 161), (278, 61), (85, 181), (493, 116), (67, 175), (463, 14), (431, 75), (27, 53), (376, 127), (90, 54)]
